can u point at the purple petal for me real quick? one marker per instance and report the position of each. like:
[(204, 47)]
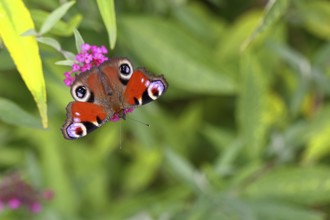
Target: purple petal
[(1, 205), (48, 194), (80, 57), (86, 67), (104, 49), (88, 58), (75, 67), (115, 118), (36, 207), (85, 47), (14, 203), (128, 110)]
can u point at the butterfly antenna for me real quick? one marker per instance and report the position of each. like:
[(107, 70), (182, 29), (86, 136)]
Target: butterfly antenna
[(140, 122)]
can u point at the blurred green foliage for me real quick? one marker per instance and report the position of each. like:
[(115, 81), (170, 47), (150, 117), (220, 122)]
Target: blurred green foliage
[(242, 133)]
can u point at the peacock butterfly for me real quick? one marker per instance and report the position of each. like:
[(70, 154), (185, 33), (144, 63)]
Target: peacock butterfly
[(107, 90)]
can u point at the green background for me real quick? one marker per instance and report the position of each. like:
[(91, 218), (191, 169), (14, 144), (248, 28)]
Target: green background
[(243, 131)]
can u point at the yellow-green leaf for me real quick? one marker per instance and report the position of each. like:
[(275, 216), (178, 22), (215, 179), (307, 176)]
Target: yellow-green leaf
[(107, 10), (319, 143), (15, 19)]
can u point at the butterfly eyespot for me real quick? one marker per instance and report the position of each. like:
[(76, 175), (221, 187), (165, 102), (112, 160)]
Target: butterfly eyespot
[(125, 70), (156, 89), (81, 93), (76, 130)]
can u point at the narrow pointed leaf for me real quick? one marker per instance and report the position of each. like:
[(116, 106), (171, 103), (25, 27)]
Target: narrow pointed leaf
[(79, 40), (54, 17), (13, 114), (30, 32), (65, 62), (252, 105), (23, 50), (302, 185), (107, 10), (274, 10), (178, 59), (50, 42)]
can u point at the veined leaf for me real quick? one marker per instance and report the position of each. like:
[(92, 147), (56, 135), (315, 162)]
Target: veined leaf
[(274, 10), (54, 17), (24, 50), (107, 10)]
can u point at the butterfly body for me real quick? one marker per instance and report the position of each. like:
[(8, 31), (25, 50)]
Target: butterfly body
[(109, 89)]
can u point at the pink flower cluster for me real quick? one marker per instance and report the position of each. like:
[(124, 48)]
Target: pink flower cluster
[(15, 192), (89, 56)]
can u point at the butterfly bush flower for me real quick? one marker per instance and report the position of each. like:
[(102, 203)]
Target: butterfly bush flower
[(89, 56), (16, 193)]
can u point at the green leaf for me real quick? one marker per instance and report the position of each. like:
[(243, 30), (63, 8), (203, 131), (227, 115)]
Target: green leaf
[(79, 40), (61, 28), (50, 42), (271, 210), (220, 138), (229, 44), (184, 170), (252, 106), (301, 185), (24, 50), (13, 114), (65, 62), (315, 17), (200, 22), (302, 66), (274, 10), (55, 174), (175, 53), (146, 164), (6, 61), (69, 56), (216, 207), (54, 17), (107, 10), (30, 32), (10, 156), (319, 142), (225, 163)]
